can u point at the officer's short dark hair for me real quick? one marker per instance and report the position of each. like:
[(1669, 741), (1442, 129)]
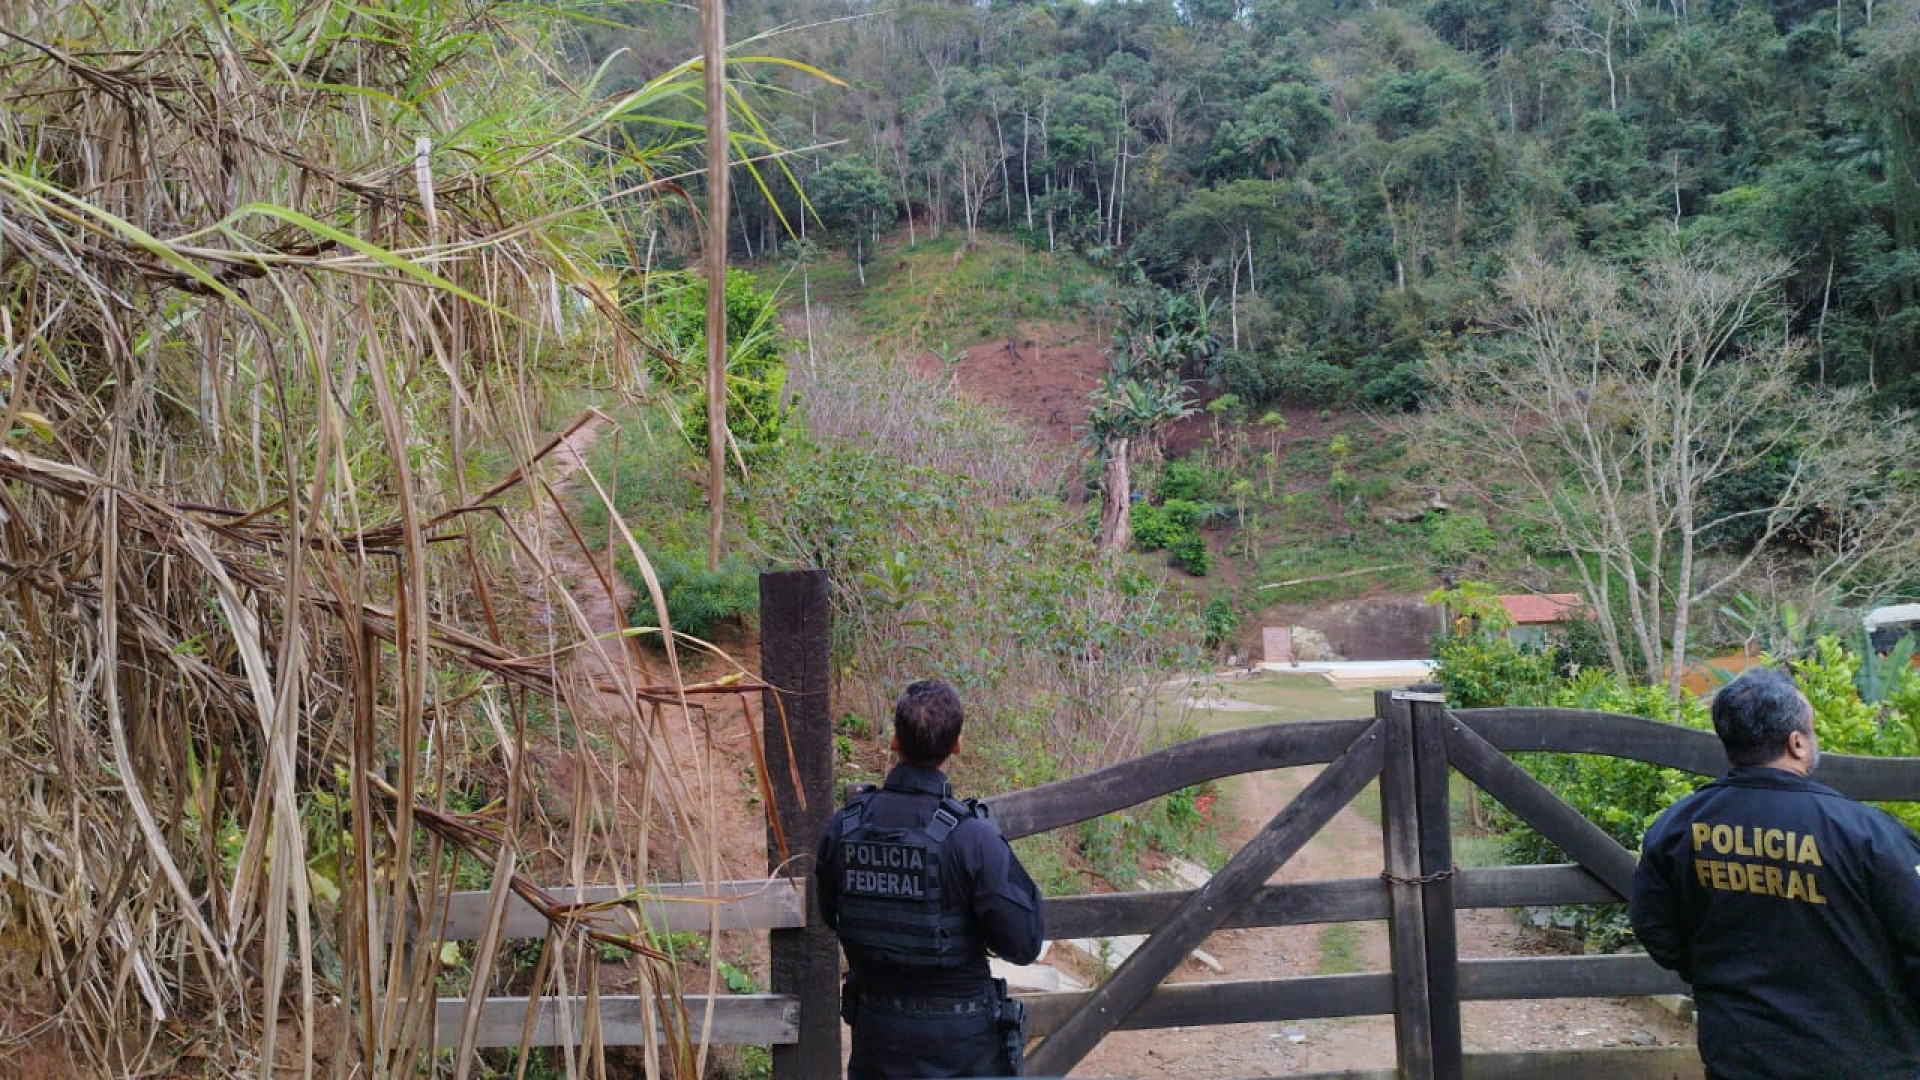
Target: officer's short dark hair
[(927, 720), (1754, 714)]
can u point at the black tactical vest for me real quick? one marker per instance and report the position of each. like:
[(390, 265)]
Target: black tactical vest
[(890, 899)]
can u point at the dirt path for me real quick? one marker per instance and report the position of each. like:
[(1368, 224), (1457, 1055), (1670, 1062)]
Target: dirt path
[(1350, 847), (705, 749)]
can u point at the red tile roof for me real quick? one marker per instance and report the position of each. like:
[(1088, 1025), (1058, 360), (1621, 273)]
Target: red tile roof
[(1547, 608)]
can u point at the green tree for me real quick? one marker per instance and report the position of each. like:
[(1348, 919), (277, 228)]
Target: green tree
[(851, 197)]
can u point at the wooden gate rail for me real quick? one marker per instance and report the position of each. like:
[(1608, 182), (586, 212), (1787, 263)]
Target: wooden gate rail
[(1580, 731), (626, 1019), (1210, 757), (669, 909)]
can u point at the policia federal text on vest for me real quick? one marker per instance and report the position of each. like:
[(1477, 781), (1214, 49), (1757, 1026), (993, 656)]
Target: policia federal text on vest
[(890, 896)]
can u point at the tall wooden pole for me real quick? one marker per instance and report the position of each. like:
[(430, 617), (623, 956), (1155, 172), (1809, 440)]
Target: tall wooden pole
[(713, 33)]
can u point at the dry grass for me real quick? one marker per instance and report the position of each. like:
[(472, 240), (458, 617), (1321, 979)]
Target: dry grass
[(277, 283)]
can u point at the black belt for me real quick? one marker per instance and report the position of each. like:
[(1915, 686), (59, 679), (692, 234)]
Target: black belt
[(925, 1006)]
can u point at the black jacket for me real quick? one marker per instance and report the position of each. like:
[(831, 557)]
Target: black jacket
[(978, 872), (1795, 913)]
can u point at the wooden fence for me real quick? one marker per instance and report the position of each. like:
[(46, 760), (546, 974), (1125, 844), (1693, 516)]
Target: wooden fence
[(1410, 745)]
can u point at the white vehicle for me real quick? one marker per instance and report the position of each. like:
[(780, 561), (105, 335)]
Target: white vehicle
[(1886, 625)]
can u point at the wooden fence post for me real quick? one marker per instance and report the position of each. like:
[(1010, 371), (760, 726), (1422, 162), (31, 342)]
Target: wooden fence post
[(794, 658), (1406, 913), (1431, 777)]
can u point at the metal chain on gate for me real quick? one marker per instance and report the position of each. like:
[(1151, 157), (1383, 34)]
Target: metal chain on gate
[(1437, 875)]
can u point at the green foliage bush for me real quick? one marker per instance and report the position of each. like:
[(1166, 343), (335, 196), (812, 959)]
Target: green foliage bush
[(1460, 538), (1184, 515), (1317, 383), (1187, 481), (1290, 377), (1482, 671), (1175, 526), (758, 416), (1400, 388), (1622, 797), (1221, 620), (1189, 553), (699, 601), (1152, 528), (1847, 725)]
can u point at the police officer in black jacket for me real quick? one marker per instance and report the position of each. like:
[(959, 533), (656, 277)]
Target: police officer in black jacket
[(920, 886), (1793, 910)]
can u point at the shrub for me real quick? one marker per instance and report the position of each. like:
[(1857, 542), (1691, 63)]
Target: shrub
[(1220, 622), (1189, 553), (1249, 376), (1480, 672), (1400, 388), (698, 600), (1184, 514), (1175, 526), (1291, 377), (758, 416), (1187, 481), (1847, 725), (1152, 529), (1317, 383), (1460, 538)]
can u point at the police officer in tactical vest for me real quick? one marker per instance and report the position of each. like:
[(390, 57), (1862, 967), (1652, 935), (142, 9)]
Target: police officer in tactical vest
[(920, 886), (1792, 910)]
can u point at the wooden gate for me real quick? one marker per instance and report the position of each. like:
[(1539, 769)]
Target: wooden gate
[(1410, 744)]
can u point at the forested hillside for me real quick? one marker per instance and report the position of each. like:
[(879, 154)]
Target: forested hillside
[(1346, 181)]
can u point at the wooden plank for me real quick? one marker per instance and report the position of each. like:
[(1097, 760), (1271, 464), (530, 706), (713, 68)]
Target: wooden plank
[(797, 735), (738, 1020), (1517, 886), (1580, 731), (667, 908), (1407, 923), (1537, 806), (1242, 750), (1876, 779), (1609, 1063), (1285, 834), (1431, 775), (1234, 1001), (1621, 975), (1108, 914), (1583, 731)]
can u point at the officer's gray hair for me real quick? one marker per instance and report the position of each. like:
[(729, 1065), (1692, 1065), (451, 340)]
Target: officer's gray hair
[(1755, 713)]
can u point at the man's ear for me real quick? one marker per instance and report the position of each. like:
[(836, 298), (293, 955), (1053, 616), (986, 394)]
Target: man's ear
[(956, 746), (895, 744), (1800, 745)]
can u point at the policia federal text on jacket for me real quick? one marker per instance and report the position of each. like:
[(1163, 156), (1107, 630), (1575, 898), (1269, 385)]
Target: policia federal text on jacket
[(920, 886), (1792, 910)]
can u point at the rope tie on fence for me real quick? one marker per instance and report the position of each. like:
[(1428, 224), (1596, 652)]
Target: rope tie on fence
[(1423, 879)]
